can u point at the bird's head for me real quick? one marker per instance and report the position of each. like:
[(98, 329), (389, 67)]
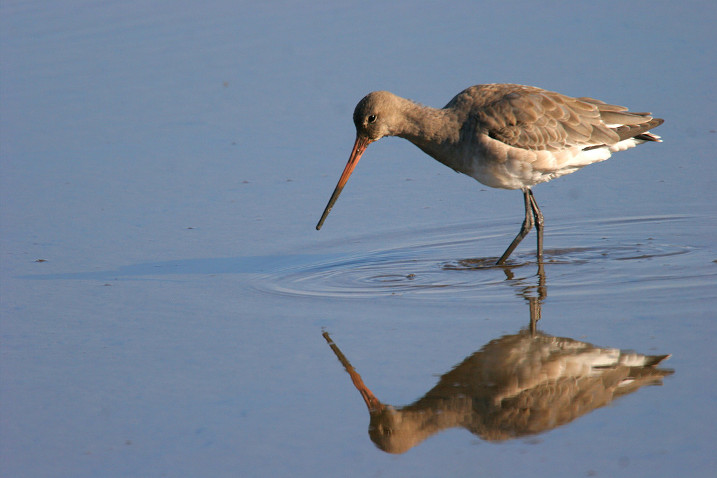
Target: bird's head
[(375, 116)]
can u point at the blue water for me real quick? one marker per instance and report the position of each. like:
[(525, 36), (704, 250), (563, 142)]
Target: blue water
[(164, 293)]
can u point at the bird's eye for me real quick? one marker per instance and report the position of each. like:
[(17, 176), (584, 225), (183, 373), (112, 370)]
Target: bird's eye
[(371, 118)]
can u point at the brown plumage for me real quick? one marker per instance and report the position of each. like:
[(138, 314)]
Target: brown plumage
[(503, 135), (515, 386)]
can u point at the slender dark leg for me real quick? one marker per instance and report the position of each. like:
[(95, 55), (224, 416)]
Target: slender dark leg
[(538, 216), (534, 314), (525, 228), (536, 302)]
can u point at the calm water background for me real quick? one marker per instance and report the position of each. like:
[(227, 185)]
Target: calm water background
[(164, 292)]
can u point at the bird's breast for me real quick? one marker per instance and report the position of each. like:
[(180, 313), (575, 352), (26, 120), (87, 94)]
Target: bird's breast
[(496, 166), (499, 165)]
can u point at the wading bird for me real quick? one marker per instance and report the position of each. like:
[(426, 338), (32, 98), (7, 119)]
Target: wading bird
[(503, 135)]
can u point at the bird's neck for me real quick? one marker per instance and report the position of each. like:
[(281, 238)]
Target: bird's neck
[(433, 130), (422, 122)]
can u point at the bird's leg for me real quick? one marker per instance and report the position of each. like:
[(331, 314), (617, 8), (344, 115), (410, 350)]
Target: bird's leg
[(525, 228), (536, 302), (534, 314), (538, 216)]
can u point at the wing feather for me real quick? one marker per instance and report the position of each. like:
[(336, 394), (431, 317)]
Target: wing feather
[(531, 118)]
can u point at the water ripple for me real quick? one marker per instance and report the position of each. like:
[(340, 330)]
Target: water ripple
[(430, 268)]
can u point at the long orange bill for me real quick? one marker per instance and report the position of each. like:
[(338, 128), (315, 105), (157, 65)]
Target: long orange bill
[(360, 146), (372, 403)]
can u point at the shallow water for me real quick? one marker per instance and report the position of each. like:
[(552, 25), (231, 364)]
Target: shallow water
[(169, 310), (428, 267)]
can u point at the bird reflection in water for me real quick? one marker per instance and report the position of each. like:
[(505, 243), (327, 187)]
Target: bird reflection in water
[(515, 386)]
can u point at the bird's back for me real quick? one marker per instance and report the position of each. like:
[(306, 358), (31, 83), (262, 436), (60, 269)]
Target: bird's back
[(515, 136)]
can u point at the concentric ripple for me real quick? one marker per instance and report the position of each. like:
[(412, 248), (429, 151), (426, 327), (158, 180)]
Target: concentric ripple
[(372, 275), (435, 267)]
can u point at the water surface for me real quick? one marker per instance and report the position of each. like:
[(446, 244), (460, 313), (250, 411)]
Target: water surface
[(166, 301)]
